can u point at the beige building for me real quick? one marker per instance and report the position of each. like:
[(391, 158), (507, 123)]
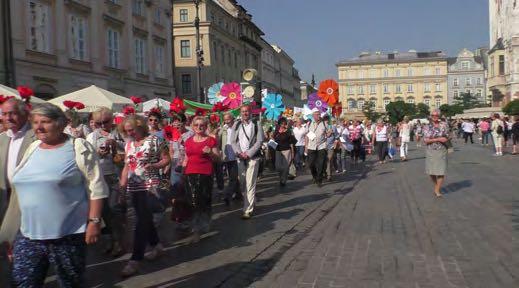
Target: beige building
[(231, 42), (381, 78), (120, 45)]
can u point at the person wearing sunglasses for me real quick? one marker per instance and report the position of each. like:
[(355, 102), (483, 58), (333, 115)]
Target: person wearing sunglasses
[(154, 124), (436, 137)]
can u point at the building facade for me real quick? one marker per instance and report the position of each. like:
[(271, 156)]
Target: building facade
[(382, 78), (230, 41), (466, 74), (121, 45), (503, 57)]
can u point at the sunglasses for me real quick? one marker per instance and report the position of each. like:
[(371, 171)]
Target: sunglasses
[(199, 125), (153, 120), (106, 122)]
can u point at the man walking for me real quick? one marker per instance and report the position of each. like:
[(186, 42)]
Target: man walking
[(316, 146), (229, 157), (468, 130), (13, 144), (246, 143)]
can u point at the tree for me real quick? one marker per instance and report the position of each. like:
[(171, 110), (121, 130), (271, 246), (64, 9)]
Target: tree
[(467, 101), (396, 111), (451, 110), (370, 112), (423, 110), (512, 108)]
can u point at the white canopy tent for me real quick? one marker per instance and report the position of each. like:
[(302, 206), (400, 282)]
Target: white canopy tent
[(8, 91), (94, 97), (478, 113), (156, 103)]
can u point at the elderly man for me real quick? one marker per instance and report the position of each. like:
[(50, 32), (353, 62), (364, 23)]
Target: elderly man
[(13, 143), (246, 142), (316, 146), (229, 157)]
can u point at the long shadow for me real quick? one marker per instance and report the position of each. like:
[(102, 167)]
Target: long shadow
[(456, 186)]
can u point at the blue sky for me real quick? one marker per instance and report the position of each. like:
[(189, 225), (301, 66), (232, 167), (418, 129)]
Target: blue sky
[(319, 33)]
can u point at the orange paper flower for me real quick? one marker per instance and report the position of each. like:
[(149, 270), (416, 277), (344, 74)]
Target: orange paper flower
[(329, 91)]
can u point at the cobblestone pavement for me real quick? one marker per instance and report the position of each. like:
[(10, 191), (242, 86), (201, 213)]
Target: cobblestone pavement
[(390, 231)]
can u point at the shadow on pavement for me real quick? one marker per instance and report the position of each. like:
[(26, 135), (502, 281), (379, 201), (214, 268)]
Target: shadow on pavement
[(456, 186)]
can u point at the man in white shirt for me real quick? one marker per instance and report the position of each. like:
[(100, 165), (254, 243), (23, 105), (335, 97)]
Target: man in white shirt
[(229, 157), (316, 147), (247, 140), (468, 130), (13, 144)]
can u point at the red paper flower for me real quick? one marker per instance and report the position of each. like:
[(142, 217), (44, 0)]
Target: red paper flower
[(3, 99), (25, 92), (337, 109), (128, 110), (214, 119), (79, 106), (329, 92), (69, 104), (200, 112), (219, 107), (136, 100), (171, 133), (177, 105)]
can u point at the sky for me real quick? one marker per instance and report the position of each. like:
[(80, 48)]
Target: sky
[(319, 33)]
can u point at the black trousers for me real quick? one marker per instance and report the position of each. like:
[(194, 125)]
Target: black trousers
[(381, 147), (316, 161), (145, 232), (467, 135)]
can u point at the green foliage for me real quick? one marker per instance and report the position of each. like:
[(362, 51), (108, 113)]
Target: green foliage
[(451, 110), (512, 108), (467, 101), (423, 110), (370, 112), (397, 110)]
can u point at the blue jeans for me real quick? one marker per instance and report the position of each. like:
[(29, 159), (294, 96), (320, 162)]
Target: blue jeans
[(298, 159), (484, 137)]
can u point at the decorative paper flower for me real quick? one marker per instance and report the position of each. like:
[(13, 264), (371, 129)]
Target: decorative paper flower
[(232, 94), (314, 101), (136, 100), (128, 110), (177, 105), (200, 112), (289, 113), (273, 103), (73, 105), (4, 98), (154, 110), (171, 133), (329, 91), (337, 109), (214, 118), (219, 107), (25, 92), (214, 93), (79, 106)]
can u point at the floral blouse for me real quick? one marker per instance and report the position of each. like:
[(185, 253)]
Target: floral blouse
[(430, 131), (137, 158)]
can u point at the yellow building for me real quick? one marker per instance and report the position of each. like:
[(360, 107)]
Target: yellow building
[(378, 78)]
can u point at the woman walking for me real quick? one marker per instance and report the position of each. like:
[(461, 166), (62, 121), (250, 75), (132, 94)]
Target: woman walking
[(201, 152), (405, 137), (498, 130), (436, 135), (356, 132), (284, 150), (145, 156), (380, 140)]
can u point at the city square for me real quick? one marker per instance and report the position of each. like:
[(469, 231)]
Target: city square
[(239, 143)]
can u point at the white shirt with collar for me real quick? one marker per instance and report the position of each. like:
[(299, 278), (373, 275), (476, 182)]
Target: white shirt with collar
[(245, 135), (14, 148), (229, 152)]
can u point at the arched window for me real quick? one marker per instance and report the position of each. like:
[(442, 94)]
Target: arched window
[(45, 91)]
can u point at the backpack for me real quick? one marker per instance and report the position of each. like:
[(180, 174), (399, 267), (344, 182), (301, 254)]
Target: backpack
[(499, 129)]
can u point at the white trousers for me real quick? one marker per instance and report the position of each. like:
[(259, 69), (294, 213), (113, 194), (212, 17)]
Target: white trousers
[(403, 149), (248, 174)]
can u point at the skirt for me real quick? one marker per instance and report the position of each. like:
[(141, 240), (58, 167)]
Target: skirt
[(436, 162)]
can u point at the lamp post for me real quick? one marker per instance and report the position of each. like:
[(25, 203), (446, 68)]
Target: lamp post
[(199, 55)]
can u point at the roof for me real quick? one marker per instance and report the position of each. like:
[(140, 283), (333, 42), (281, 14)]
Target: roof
[(395, 57), (498, 46)]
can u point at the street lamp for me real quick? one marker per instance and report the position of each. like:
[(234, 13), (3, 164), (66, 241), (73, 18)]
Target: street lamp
[(199, 55)]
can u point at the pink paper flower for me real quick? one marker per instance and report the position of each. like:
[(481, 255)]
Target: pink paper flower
[(232, 93)]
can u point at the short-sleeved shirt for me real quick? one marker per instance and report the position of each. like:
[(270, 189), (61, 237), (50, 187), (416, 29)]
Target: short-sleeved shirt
[(197, 161), (319, 142), (431, 131), (98, 140), (300, 133), (484, 126), (137, 158), (284, 140)]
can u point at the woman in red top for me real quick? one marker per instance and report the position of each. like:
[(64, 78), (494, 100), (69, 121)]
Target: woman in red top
[(201, 152)]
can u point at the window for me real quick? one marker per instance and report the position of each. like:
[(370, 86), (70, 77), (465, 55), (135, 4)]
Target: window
[(456, 82), (351, 104), (140, 56), (183, 15), (361, 90), (39, 26), (157, 16), (372, 88), (372, 73), (350, 89), (397, 73), (492, 66), (386, 88), (186, 84), (438, 103), (360, 104), (386, 73), (398, 88), (478, 93), (456, 93), (159, 60), (468, 81), (138, 7), (185, 48), (77, 38), (113, 48), (409, 87), (426, 87), (410, 100), (427, 101), (410, 71), (465, 65), (361, 74), (386, 102), (438, 87), (437, 71), (479, 81), (501, 64)]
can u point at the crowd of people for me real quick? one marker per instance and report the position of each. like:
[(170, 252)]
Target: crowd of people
[(65, 183)]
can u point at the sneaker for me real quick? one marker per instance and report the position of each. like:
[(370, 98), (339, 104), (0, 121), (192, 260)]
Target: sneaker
[(131, 268), (155, 252), (246, 216)]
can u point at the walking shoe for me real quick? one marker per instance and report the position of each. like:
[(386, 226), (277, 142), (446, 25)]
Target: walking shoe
[(246, 216), (131, 268), (155, 252), (117, 250)]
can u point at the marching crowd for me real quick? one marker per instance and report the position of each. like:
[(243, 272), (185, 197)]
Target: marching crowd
[(63, 183)]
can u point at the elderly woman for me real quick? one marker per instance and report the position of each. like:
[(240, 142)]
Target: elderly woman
[(145, 156), (201, 152), (405, 137), (436, 136), (380, 140), (58, 192), (285, 150)]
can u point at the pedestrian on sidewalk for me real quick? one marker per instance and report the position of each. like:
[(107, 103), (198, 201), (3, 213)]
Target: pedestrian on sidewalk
[(507, 135), (405, 137), (356, 131), (246, 143), (498, 129), (418, 132), (342, 152), (145, 155), (436, 136), (484, 129), (299, 131), (515, 135), (468, 130), (316, 146), (201, 152), (229, 160), (331, 145), (284, 150), (380, 140)]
